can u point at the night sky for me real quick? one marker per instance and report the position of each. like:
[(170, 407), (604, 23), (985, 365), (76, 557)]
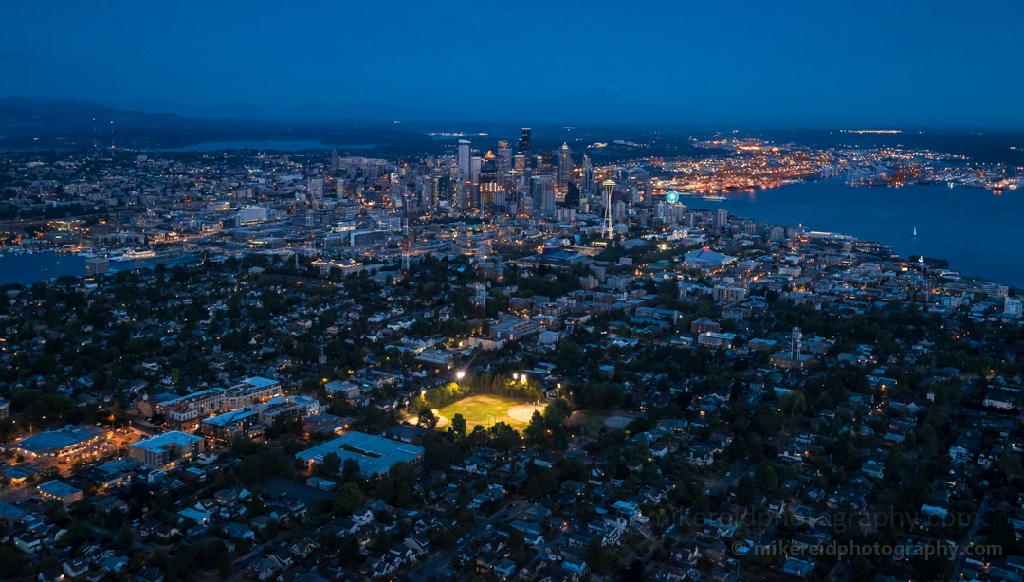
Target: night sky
[(936, 63)]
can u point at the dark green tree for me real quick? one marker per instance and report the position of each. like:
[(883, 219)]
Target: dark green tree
[(532, 490), (349, 497), (516, 542), (427, 419), (404, 499), (331, 464), (597, 557), (224, 565), (459, 424), (124, 540), (386, 490), (350, 470)]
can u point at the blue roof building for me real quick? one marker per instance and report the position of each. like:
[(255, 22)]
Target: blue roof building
[(165, 448), (65, 441), (375, 455)]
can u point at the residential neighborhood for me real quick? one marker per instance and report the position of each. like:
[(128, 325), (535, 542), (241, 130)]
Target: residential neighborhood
[(673, 394)]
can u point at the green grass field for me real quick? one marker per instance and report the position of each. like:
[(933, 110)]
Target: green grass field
[(482, 409)]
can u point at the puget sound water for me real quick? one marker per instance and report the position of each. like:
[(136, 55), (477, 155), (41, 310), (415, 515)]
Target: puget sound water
[(979, 232)]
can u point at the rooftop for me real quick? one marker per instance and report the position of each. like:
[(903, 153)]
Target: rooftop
[(373, 453), (229, 418), (53, 440), (255, 382), (58, 489), (174, 437)]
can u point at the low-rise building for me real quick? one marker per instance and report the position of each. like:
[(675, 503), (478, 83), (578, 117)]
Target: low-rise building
[(166, 448), (375, 455), (64, 442), (59, 491)]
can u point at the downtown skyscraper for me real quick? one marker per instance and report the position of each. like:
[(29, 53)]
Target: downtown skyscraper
[(587, 177), (524, 147), (463, 160), (564, 165)]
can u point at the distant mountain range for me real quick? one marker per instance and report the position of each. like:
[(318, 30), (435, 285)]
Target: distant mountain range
[(24, 118), (30, 124)]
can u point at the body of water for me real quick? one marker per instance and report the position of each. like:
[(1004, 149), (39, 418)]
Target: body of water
[(279, 145), (27, 269), (979, 232)]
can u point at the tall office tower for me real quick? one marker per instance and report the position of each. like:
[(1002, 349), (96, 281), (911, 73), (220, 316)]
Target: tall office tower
[(564, 165), (520, 164), (587, 182), (424, 191), (335, 161), (721, 217), (503, 163), (444, 192), (463, 160), (525, 207), (675, 214), (619, 211), (435, 187), (316, 191), (546, 161), (513, 191), (460, 196), (648, 192), (475, 163), (489, 183), (534, 196), (608, 186), (542, 189), (524, 146), (572, 195)]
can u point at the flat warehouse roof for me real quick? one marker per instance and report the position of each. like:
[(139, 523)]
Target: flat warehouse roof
[(373, 453), (58, 489)]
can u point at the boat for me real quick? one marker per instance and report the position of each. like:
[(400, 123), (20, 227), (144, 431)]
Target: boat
[(133, 255), (915, 231), (714, 197)]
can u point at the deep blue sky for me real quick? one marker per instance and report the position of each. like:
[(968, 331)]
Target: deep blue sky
[(782, 64)]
